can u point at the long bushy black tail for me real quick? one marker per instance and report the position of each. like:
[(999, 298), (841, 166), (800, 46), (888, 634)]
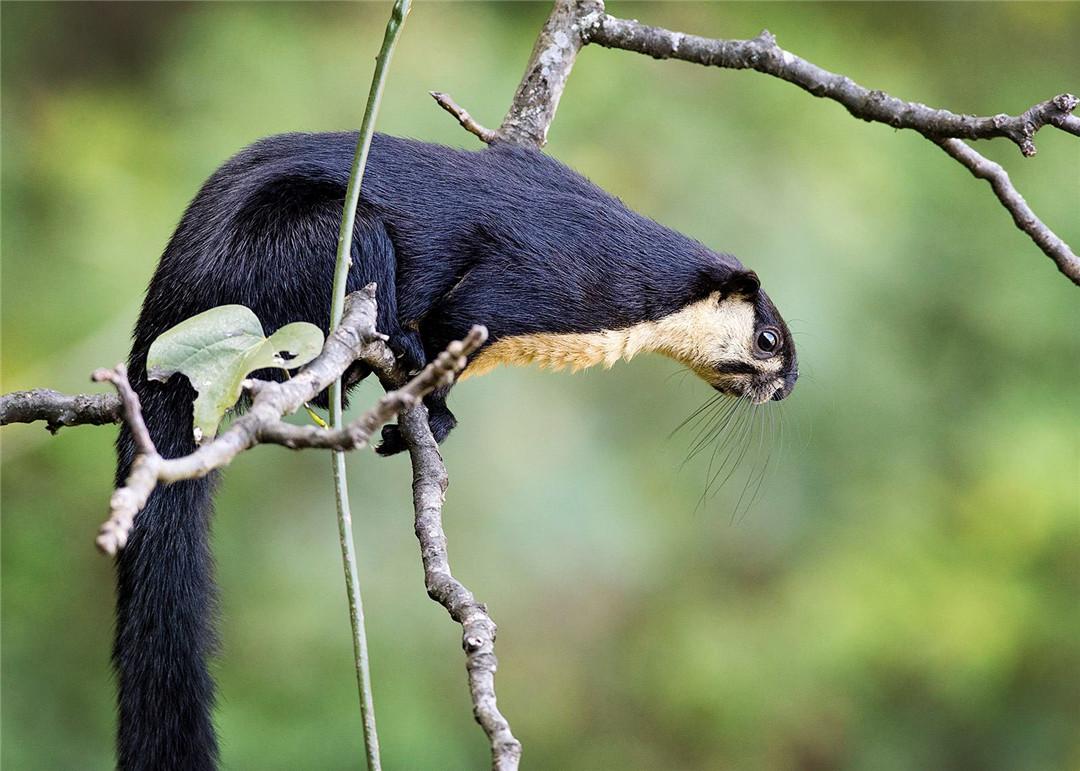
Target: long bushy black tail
[(165, 604), (262, 233)]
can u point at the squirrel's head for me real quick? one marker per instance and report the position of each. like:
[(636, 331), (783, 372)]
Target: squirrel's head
[(734, 339)]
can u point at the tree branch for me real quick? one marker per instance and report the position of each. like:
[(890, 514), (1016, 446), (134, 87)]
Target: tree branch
[(477, 629), (764, 55), (1010, 198), (553, 55), (354, 339), (430, 481), (272, 401), (128, 500), (59, 410), (571, 25)]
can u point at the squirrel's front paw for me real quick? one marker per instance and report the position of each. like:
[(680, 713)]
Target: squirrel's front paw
[(392, 441)]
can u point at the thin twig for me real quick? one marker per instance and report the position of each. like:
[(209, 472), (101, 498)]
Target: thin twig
[(128, 500), (131, 408), (486, 135), (356, 338), (764, 55), (1023, 216)]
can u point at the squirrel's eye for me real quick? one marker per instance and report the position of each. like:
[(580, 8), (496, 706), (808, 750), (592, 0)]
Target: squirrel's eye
[(768, 341)]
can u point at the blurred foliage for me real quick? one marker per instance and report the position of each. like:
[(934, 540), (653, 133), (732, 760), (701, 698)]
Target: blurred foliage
[(903, 592)]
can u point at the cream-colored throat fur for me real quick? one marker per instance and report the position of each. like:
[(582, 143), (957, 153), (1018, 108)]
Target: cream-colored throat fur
[(699, 336)]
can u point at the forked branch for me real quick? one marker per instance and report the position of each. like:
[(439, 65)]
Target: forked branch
[(355, 338)]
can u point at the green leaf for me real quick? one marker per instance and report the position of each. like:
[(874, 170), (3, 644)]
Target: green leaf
[(218, 348)]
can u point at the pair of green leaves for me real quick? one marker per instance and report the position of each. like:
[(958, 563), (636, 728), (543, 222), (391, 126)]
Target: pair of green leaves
[(218, 348)]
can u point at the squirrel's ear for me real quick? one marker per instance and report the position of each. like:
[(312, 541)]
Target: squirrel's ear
[(742, 282)]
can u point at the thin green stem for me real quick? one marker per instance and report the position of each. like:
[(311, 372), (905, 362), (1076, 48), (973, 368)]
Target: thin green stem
[(356, 614), (363, 145), (337, 307)]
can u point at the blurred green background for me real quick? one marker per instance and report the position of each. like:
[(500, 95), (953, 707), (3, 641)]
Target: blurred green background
[(903, 592)]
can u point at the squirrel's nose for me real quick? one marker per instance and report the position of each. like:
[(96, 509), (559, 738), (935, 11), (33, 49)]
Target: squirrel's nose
[(787, 387)]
